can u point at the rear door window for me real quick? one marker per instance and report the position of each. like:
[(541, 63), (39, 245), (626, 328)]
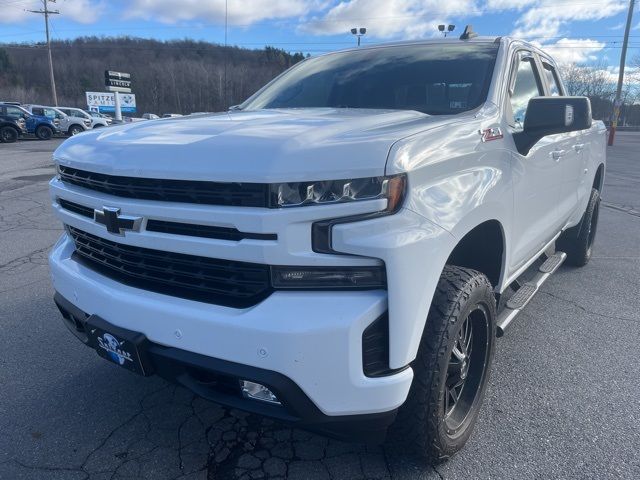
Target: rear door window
[(552, 80)]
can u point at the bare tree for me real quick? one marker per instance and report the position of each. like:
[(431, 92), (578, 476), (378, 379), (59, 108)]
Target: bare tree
[(596, 82)]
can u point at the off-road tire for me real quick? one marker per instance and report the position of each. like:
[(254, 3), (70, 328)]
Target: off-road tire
[(8, 134), (44, 133), (577, 242), (420, 425), (75, 130)]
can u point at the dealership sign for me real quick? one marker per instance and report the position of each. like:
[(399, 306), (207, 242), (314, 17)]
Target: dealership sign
[(117, 81), (106, 102)]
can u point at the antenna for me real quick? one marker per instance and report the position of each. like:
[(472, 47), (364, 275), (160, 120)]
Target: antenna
[(468, 33)]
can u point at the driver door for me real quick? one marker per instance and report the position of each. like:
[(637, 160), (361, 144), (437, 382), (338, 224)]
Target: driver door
[(537, 181)]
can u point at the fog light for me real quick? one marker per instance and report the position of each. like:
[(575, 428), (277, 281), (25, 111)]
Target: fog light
[(256, 391)]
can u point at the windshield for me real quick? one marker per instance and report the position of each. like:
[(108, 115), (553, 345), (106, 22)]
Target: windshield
[(429, 78), (78, 113)]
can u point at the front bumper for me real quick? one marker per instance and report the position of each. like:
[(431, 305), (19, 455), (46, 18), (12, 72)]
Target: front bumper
[(311, 339), (218, 380)]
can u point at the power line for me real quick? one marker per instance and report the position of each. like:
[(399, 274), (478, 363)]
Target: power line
[(46, 12)]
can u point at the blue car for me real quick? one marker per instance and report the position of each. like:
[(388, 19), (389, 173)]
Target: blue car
[(42, 127)]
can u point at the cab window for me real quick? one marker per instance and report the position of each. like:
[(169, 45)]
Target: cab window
[(552, 80), (14, 112), (526, 86)]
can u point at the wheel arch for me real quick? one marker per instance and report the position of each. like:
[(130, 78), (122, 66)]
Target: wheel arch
[(10, 125), (480, 245), (598, 180), (482, 248)]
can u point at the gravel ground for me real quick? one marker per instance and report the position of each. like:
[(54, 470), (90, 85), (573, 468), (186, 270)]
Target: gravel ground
[(563, 400)]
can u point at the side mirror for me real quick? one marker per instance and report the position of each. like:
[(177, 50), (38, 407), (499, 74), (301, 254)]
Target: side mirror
[(551, 115)]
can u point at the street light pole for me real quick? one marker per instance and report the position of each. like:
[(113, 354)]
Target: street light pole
[(359, 32), (623, 58), (46, 12)]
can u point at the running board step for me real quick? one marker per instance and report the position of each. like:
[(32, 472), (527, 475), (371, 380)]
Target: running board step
[(527, 291)]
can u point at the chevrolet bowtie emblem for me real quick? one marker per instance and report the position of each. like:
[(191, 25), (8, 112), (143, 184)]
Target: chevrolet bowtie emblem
[(110, 217)]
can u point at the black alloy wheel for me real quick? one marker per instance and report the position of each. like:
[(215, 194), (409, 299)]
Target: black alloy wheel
[(466, 369), (577, 242), (593, 227), (44, 133), (8, 135), (451, 370)]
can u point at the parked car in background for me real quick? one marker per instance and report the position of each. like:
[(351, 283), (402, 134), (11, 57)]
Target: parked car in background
[(132, 119), (108, 118), (171, 115), (11, 127), (41, 126), (95, 122), (69, 125), (150, 116)]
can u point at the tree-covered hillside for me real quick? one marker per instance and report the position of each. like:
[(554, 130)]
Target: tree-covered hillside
[(176, 76)]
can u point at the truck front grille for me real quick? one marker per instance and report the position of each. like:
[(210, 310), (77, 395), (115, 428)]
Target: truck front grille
[(183, 191), (222, 282)]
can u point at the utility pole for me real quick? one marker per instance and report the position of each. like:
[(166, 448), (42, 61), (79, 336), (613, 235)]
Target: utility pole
[(623, 59), (226, 18), (46, 12)]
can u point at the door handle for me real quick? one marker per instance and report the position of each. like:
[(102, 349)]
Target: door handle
[(578, 147), (557, 154)]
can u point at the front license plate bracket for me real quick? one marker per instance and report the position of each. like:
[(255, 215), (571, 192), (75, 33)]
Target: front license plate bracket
[(126, 348)]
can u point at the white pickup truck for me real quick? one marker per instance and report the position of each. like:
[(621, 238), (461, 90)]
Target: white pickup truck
[(340, 251)]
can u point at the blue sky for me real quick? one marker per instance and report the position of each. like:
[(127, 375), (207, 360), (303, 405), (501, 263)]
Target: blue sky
[(581, 31)]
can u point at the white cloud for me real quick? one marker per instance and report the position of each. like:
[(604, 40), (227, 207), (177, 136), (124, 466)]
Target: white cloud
[(80, 11), (17, 12), (546, 18), (568, 50), (509, 4), (240, 12), (389, 18)]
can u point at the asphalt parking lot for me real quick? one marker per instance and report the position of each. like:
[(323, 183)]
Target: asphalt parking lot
[(564, 399)]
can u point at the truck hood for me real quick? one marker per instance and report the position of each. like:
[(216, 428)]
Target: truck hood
[(255, 146)]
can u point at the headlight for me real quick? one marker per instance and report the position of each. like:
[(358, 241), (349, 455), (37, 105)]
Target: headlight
[(339, 191), (285, 277)]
